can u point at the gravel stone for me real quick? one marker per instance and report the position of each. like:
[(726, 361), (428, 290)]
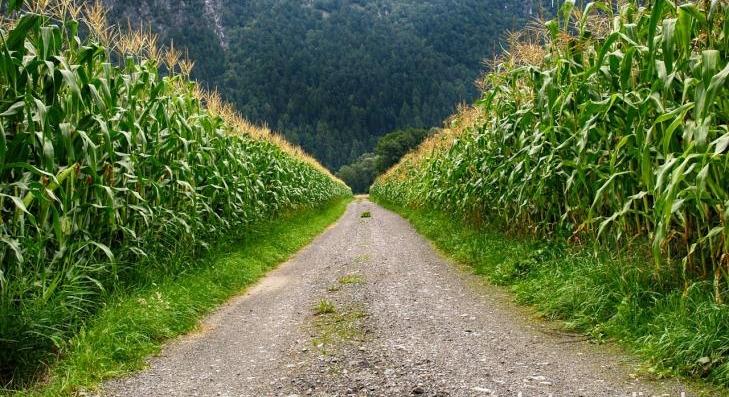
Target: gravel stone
[(415, 325)]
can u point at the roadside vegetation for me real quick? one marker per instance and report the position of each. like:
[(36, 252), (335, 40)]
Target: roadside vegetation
[(117, 171), (592, 177), (135, 323)]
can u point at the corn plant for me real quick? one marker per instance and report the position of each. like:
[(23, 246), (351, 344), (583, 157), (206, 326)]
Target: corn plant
[(610, 124), (108, 169)]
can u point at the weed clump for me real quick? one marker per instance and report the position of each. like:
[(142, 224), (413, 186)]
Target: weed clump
[(351, 279), (324, 306)]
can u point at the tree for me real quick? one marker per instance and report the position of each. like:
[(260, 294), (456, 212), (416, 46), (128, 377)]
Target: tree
[(391, 147), (335, 75), (360, 174)]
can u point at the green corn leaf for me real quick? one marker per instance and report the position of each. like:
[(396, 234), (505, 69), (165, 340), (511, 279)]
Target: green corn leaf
[(71, 80), (721, 144), (14, 246), (14, 109), (105, 249), (19, 33), (656, 13), (718, 83), (669, 42), (692, 9), (19, 204)]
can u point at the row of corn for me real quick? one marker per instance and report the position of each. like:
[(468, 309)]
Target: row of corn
[(607, 124), (109, 167)]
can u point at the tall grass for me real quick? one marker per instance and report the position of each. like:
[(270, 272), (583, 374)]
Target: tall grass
[(109, 170), (607, 124)]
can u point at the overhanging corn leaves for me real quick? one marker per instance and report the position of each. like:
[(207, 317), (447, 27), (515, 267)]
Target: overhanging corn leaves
[(618, 131), (104, 168)]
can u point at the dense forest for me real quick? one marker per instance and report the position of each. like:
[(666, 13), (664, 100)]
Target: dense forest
[(390, 148), (335, 75)]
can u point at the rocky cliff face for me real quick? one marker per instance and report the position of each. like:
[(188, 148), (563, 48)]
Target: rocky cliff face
[(213, 12)]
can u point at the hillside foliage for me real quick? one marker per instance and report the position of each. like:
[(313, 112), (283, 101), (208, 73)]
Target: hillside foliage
[(390, 147), (334, 75)]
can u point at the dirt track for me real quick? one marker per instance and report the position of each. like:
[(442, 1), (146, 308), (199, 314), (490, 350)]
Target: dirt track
[(406, 322)]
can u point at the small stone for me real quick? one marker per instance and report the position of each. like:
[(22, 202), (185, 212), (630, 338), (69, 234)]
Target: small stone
[(418, 390)]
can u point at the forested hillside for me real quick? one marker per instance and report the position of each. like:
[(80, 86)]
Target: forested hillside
[(334, 75)]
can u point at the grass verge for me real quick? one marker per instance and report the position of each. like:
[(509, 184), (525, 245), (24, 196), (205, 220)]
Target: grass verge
[(135, 324), (606, 294)]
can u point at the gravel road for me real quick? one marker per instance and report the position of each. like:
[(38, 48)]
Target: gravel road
[(406, 322)]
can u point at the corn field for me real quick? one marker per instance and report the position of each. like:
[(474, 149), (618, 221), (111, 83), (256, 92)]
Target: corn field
[(607, 124), (108, 165)]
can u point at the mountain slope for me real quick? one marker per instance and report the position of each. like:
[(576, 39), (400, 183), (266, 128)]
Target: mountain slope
[(333, 75), (188, 24)]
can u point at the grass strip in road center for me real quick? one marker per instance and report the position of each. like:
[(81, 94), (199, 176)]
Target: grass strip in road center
[(135, 325)]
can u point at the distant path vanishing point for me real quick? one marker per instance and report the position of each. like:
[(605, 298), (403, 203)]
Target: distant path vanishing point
[(405, 322)]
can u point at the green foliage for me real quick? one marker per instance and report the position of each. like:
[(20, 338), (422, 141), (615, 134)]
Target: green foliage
[(110, 173), (360, 174), (351, 279), (391, 147), (324, 306), (334, 75), (134, 325), (608, 295), (615, 131)]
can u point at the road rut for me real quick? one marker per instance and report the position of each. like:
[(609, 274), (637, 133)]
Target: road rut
[(406, 322)]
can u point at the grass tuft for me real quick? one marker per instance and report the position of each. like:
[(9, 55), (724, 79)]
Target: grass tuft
[(366, 214), (324, 306), (338, 328), (351, 279)]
